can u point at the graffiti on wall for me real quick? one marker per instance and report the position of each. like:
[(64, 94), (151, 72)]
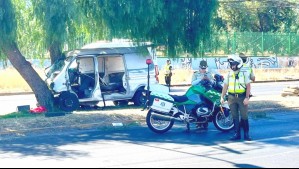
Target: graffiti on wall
[(291, 62), (186, 63), (222, 63), (265, 62)]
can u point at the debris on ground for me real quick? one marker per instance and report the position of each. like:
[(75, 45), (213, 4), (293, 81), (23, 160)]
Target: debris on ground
[(38, 110), (292, 90)]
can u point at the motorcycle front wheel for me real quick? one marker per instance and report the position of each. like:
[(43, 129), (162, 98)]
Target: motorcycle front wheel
[(158, 125), (222, 122)]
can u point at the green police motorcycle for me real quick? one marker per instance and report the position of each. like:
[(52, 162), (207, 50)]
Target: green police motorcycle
[(199, 105)]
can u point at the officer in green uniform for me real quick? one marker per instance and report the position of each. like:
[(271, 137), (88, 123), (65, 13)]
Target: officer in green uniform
[(198, 77), (237, 84), (202, 74)]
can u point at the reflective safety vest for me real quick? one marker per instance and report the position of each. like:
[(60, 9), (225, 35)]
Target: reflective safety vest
[(246, 68), (236, 85), (167, 70)]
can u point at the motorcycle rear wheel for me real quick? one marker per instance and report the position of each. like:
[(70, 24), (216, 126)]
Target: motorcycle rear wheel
[(223, 123), (157, 125)]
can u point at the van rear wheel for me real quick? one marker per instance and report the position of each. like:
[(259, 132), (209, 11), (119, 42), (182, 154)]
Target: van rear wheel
[(68, 101), (139, 98)]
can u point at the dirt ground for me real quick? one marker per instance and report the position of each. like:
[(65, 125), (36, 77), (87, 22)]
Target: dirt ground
[(115, 117)]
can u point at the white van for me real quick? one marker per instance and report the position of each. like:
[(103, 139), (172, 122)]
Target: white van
[(114, 71)]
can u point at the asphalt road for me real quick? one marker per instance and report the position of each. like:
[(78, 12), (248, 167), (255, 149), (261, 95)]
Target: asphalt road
[(269, 88), (275, 145)]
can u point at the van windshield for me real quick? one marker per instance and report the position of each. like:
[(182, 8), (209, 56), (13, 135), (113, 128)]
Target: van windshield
[(57, 66)]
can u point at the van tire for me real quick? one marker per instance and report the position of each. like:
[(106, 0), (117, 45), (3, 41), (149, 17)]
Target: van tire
[(139, 98), (68, 101)]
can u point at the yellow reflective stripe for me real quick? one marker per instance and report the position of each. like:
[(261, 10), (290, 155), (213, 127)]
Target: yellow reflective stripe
[(235, 86), (167, 67)]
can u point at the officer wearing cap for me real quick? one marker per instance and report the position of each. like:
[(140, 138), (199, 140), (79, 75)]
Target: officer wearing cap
[(237, 84), (202, 74)]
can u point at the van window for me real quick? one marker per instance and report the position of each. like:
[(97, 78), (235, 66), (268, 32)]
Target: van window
[(138, 61), (86, 65), (115, 64)]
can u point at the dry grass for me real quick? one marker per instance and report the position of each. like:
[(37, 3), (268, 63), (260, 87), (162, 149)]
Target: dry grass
[(276, 74), (12, 81)]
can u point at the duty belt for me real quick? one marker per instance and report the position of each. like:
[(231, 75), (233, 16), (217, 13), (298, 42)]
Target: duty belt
[(237, 94)]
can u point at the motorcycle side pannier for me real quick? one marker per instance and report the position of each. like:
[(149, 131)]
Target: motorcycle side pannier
[(161, 102)]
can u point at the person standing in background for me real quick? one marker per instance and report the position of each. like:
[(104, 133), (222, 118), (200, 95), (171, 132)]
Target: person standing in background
[(168, 73), (246, 68)]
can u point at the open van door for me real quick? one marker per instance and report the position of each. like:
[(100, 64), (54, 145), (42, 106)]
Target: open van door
[(82, 76), (112, 74)]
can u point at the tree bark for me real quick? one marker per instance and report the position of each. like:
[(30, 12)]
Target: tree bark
[(42, 93), (55, 51)]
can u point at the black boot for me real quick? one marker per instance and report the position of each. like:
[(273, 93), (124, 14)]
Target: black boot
[(237, 135), (246, 130)]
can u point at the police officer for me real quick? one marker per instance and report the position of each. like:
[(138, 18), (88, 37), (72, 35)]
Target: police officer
[(202, 74), (199, 77), (168, 73), (238, 86)]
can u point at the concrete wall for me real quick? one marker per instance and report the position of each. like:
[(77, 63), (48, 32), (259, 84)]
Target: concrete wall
[(221, 62), (213, 63)]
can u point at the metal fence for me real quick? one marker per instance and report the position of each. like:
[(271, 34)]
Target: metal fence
[(252, 44), (220, 44), (224, 43)]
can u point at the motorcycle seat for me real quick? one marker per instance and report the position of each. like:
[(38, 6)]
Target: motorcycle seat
[(179, 99)]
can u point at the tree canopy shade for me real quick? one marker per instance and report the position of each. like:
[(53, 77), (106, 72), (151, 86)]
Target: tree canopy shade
[(8, 24), (58, 18), (180, 25)]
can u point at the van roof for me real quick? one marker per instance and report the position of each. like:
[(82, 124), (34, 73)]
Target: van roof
[(108, 51), (103, 48), (115, 44)]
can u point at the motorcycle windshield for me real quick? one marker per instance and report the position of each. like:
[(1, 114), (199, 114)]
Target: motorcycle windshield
[(197, 89), (208, 93)]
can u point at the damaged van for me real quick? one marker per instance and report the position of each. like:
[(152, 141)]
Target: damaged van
[(99, 72)]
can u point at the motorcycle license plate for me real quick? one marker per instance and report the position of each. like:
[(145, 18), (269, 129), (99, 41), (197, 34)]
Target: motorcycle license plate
[(161, 105)]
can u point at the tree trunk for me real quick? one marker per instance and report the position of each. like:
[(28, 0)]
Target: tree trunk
[(42, 93), (55, 51)]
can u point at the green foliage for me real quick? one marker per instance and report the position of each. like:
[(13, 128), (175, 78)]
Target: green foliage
[(257, 16), (8, 23), (180, 25), (57, 18), (30, 33), (19, 115)]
